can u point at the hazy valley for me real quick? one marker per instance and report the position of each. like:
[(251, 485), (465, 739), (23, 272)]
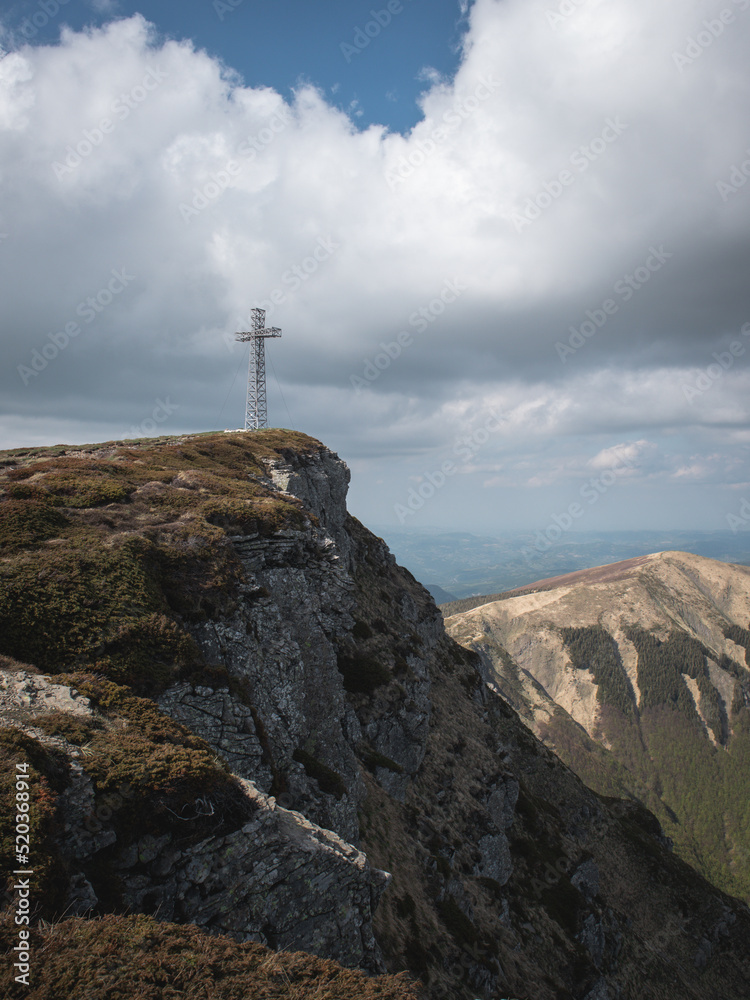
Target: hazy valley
[(464, 564)]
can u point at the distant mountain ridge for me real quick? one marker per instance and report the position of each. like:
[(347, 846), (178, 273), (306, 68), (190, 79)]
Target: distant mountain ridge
[(637, 674), (471, 565), (601, 573)]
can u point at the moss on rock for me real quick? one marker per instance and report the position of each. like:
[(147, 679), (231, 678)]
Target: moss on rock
[(113, 547), (328, 780), (45, 772), (26, 521), (362, 674)]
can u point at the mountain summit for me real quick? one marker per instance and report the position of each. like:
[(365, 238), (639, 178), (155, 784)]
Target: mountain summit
[(648, 659)]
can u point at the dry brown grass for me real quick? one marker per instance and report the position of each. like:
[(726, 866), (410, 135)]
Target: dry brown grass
[(138, 958)]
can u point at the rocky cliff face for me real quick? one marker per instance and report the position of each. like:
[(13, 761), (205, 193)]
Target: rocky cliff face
[(275, 877), (258, 725)]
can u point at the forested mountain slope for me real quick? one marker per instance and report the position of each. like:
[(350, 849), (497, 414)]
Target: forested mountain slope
[(637, 675)]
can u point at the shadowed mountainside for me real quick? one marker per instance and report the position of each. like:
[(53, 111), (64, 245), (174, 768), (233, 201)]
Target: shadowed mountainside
[(242, 718)]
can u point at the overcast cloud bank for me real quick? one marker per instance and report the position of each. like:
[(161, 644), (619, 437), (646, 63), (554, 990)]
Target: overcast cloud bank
[(566, 154)]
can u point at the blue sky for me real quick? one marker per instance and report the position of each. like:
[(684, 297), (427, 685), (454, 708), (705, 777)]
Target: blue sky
[(525, 262), (279, 43)]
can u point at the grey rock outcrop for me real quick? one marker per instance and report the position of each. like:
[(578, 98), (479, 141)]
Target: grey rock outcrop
[(586, 878), (496, 862), (283, 642), (279, 644), (222, 721), (279, 880), (321, 482), (23, 695)]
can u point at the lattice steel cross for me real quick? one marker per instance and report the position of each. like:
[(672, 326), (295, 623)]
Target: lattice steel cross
[(256, 407)]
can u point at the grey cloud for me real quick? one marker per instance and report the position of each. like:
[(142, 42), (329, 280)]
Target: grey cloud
[(219, 197)]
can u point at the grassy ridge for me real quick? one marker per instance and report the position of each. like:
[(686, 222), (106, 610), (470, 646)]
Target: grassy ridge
[(105, 553), (138, 958)]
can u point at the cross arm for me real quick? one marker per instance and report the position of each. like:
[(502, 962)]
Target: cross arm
[(272, 331)]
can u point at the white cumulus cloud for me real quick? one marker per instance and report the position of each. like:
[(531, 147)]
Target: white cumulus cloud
[(543, 177)]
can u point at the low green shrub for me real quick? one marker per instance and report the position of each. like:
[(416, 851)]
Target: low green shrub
[(362, 674), (329, 781), (373, 760), (78, 490), (461, 929), (75, 729), (93, 605), (47, 775), (25, 522)]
